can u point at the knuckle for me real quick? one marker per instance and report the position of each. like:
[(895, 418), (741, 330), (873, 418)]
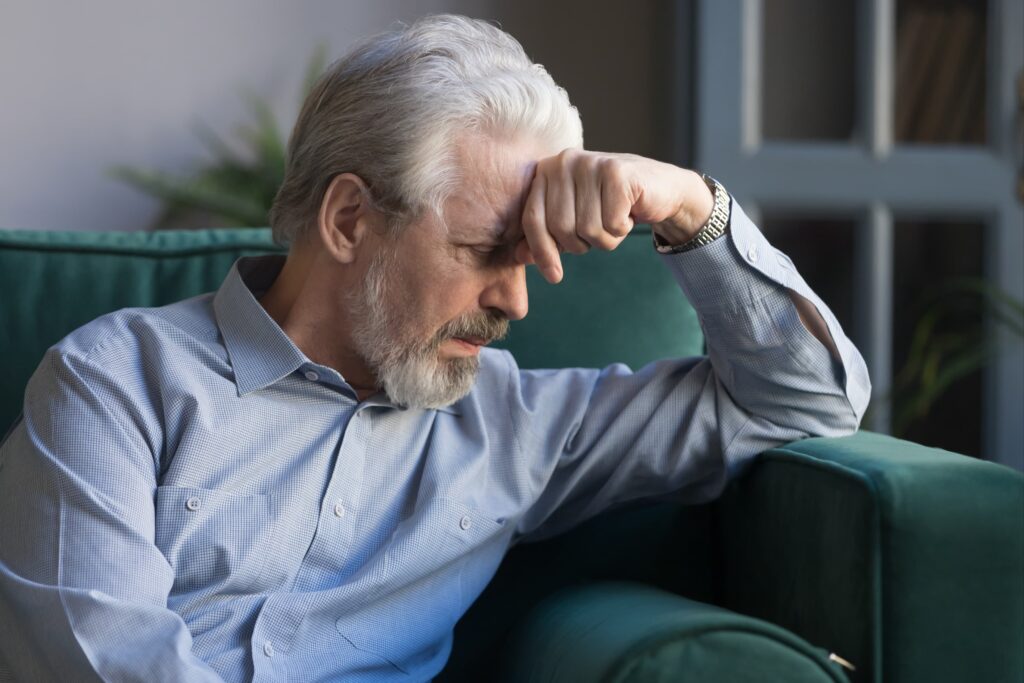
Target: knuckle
[(590, 231), (611, 170), (561, 225), (569, 160), (598, 238), (619, 228), (566, 154)]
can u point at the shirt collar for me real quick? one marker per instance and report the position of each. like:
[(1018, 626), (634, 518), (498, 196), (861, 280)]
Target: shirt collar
[(258, 349)]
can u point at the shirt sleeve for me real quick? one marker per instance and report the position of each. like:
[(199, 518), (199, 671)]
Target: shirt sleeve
[(682, 428), (83, 587)]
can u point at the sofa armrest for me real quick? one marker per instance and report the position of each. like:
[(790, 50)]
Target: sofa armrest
[(905, 560), (625, 632)]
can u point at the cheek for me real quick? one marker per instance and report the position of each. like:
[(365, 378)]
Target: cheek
[(450, 298), (435, 291)]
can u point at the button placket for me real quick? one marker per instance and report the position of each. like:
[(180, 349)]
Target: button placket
[(273, 636), (332, 538)]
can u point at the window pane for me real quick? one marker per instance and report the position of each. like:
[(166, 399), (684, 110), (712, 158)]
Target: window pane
[(941, 71), (822, 250), (808, 69), (937, 329)]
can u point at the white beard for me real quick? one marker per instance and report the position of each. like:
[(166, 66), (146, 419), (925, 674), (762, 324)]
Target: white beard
[(411, 371)]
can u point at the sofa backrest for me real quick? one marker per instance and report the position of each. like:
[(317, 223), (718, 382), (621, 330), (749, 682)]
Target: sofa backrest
[(618, 306)]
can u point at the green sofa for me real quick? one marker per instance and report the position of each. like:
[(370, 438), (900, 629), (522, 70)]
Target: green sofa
[(906, 561)]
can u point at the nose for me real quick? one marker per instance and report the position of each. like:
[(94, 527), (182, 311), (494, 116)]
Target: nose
[(507, 293)]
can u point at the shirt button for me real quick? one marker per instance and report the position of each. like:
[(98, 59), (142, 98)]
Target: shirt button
[(465, 522), (339, 510), (752, 254), (311, 376), (268, 649), (193, 503)]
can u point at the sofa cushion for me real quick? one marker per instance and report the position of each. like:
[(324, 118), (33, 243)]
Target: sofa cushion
[(662, 543), (614, 632), (54, 282), (621, 306)]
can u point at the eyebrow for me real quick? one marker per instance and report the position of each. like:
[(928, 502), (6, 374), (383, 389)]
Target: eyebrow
[(500, 233)]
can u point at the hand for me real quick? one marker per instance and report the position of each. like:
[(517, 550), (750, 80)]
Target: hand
[(580, 199)]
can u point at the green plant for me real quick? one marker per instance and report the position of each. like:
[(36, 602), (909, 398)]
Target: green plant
[(235, 189), (954, 337)]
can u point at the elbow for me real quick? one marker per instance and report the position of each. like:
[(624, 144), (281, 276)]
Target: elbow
[(842, 425), (858, 395), (826, 415), (841, 413), (843, 419)]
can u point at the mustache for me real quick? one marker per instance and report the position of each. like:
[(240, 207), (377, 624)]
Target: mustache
[(491, 327)]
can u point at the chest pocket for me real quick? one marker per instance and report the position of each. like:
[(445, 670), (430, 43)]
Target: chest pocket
[(213, 539), (406, 603)]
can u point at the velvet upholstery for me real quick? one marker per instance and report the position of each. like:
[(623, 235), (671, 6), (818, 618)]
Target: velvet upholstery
[(54, 282), (906, 561), (619, 632)]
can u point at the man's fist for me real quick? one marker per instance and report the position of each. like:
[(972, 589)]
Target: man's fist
[(579, 200)]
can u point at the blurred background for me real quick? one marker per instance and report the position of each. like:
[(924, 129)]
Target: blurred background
[(879, 143)]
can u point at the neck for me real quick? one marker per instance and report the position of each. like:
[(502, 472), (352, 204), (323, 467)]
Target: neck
[(306, 302)]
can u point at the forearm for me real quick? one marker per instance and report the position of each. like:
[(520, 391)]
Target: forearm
[(694, 215), (75, 634), (83, 587), (773, 343)]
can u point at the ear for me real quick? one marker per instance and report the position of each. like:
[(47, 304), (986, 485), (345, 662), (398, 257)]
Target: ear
[(345, 216)]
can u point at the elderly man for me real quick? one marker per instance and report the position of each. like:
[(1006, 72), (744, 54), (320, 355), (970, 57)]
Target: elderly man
[(313, 472)]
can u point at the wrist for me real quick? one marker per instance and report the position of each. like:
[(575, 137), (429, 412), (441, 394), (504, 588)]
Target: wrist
[(716, 225), (693, 214)]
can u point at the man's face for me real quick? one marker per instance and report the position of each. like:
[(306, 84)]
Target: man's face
[(432, 297)]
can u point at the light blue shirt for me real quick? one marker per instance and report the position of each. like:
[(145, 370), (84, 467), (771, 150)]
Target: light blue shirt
[(189, 498)]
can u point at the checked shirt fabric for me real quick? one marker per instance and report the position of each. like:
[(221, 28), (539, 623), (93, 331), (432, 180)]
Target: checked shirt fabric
[(187, 497)]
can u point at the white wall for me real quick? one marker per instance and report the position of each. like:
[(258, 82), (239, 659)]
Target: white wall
[(86, 86), (89, 85)]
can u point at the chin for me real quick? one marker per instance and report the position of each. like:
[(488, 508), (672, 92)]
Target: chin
[(430, 386)]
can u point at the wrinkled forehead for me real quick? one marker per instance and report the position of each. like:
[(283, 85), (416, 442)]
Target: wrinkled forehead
[(495, 180)]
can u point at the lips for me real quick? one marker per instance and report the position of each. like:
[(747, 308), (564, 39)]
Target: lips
[(476, 341)]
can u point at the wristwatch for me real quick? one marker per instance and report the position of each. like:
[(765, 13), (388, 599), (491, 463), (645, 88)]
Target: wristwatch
[(716, 226)]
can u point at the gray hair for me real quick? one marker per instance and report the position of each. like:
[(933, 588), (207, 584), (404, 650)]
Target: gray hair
[(390, 110)]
